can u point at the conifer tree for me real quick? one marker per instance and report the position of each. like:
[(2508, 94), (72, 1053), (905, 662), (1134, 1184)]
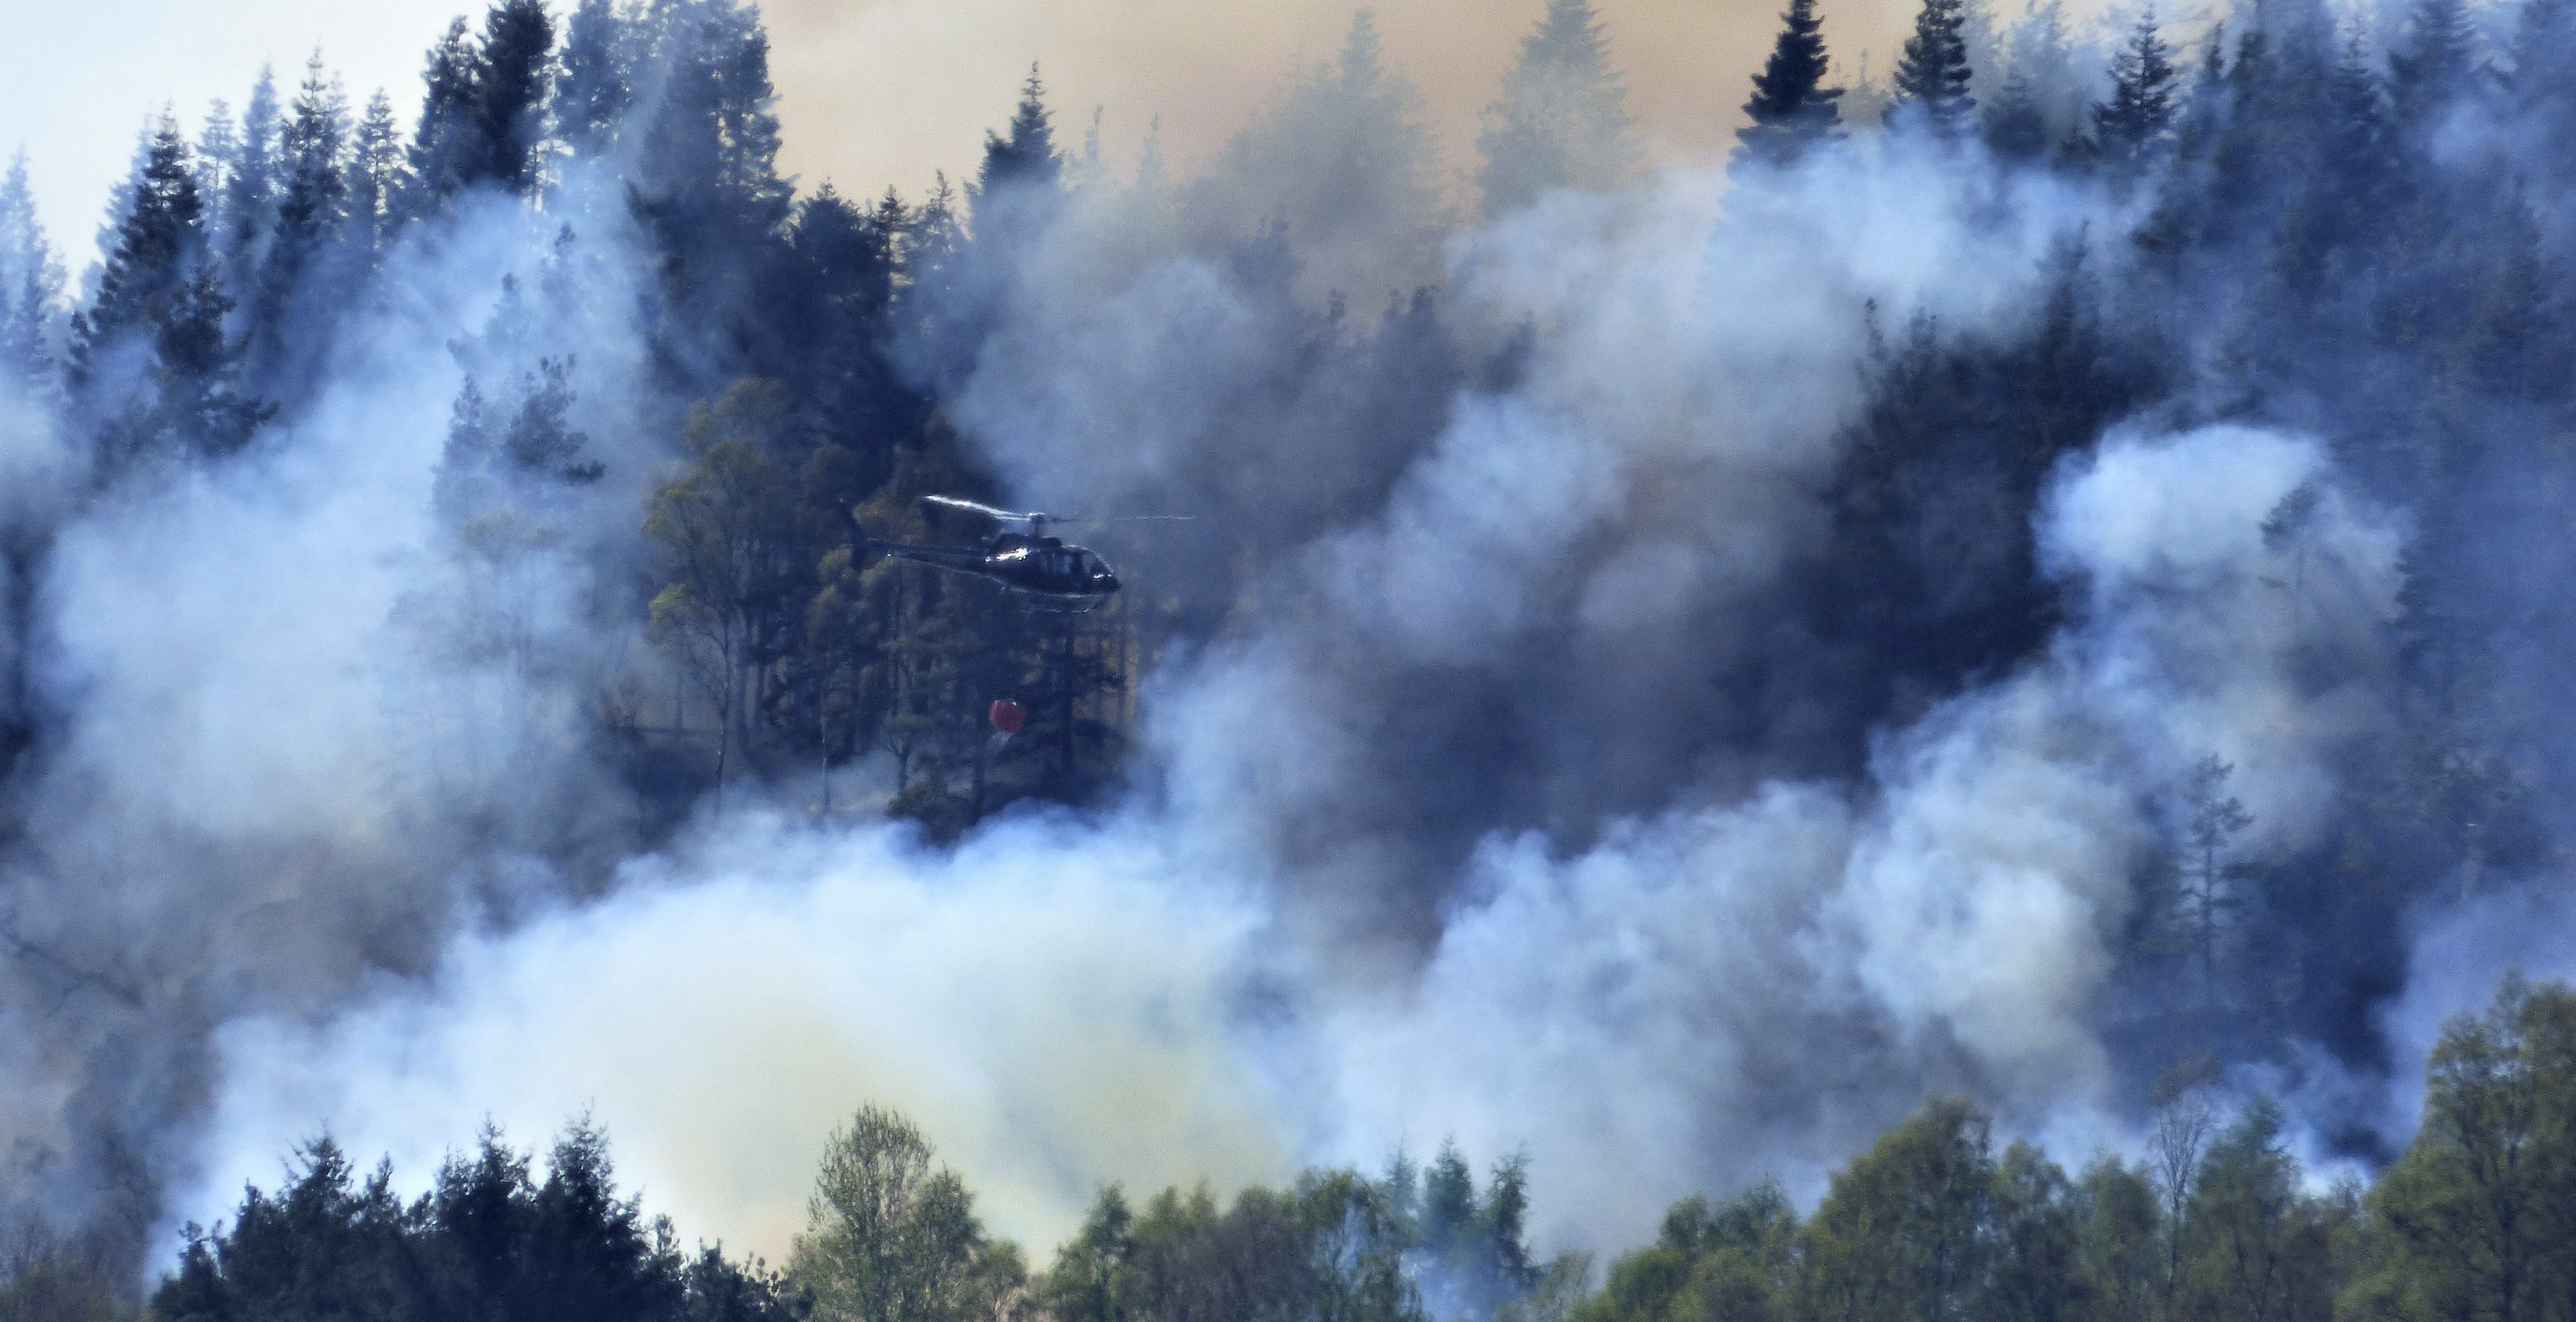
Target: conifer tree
[(2138, 117), (1792, 110), (31, 282), (313, 200), (1027, 155), (218, 151), (1562, 119), (249, 208), (510, 93), (159, 243), (1930, 88), (2016, 128), (441, 153), (2437, 61), (376, 179), (707, 172), (592, 82)]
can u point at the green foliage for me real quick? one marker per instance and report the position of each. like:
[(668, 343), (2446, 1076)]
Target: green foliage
[(890, 1239)]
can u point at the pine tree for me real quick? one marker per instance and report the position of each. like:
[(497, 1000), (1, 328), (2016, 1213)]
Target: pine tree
[(1792, 110), (376, 178), (2437, 62), (510, 94), (1562, 120), (2543, 78), (2016, 128), (1027, 155), (313, 194), (1930, 88), (2138, 118), (706, 170), (159, 243), (249, 210), (442, 148), (31, 283), (218, 153), (592, 84)]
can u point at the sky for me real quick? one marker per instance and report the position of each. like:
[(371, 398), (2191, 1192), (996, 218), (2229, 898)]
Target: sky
[(879, 92)]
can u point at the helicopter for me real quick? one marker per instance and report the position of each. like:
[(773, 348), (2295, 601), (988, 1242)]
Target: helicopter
[(1042, 570)]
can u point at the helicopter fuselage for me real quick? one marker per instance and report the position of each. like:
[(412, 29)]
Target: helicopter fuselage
[(1043, 569)]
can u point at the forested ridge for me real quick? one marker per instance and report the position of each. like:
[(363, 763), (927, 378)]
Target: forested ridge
[(1453, 600)]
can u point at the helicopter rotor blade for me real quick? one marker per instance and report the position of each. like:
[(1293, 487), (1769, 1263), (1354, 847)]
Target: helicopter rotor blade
[(977, 507)]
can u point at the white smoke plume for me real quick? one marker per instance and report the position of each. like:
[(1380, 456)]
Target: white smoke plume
[(1254, 962)]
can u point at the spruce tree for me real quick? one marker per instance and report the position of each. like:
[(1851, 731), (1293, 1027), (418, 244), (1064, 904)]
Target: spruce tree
[(1562, 120), (1792, 110), (1931, 84), (2138, 118)]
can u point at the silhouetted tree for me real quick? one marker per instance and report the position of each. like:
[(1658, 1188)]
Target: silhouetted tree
[(1792, 110)]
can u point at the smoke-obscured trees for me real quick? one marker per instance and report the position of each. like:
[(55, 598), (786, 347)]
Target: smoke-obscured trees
[(726, 527), (1562, 119), (154, 372), (2139, 115), (1346, 161), (31, 288)]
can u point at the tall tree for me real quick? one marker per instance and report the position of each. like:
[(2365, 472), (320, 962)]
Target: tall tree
[(2436, 61), (1930, 88), (312, 205), (160, 242), (888, 1238), (510, 93), (1903, 1232), (443, 147), (2137, 120), (1026, 154), (2208, 878), (31, 283), (1792, 110), (725, 527), (1562, 120), (376, 175), (593, 87), (248, 212)]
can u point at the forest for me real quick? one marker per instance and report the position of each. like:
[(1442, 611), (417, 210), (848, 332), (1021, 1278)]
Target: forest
[(2215, 1218), (2036, 584)]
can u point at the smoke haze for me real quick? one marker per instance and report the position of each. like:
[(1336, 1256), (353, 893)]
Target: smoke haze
[(1532, 758)]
